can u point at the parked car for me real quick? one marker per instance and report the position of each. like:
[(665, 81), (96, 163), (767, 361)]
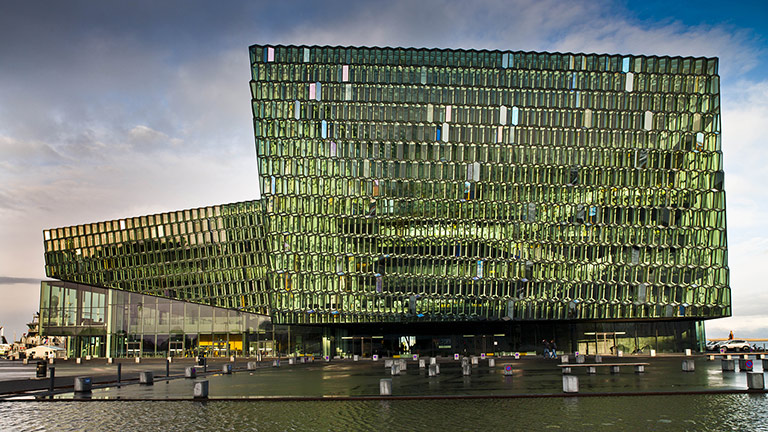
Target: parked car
[(735, 345), (712, 346)]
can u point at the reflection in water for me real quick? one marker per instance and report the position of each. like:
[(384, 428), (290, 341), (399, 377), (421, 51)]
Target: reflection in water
[(658, 413)]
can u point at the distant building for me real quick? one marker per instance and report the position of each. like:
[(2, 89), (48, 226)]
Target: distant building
[(444, 201)]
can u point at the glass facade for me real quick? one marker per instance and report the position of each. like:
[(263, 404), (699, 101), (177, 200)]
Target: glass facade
[(444, 185), (438, 201), (116, 323), (211, 255)]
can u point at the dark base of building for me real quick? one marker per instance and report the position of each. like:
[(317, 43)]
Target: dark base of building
[(501, 337)]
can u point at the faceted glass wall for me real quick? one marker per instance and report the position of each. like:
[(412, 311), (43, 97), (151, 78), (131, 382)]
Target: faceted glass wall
[(439, 185), (131, 324), (211, 255)]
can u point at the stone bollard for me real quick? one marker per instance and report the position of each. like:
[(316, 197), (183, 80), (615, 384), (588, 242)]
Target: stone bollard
[(146, 378), (591, 370), (570, 384), (88, 357), (491, 363), (190, 372), (579, 359), (226, 368), (375, 357), (615, 369), (138, 360), (566, 370), (728, 357), (422, 364), (252, 366), (291, 361), (355, 357), (403, 365), (466, 369), (385, 387), (745, 356), (305, 359), (26, 361), (688, 366), (755, 381), (276, 363), (621, 353), (437, 368), (170, 359), (564, 358), (110, 360), (653, 353), (395, 368), (388, 363), (687, 352), (475, 360), (201, 389), (464, 361), (433, 360), (432, 369), (711, 357), (83, 384), (598, 359), (52, 360), (77, 360), (728, 365), (639, 368), (231, 359)]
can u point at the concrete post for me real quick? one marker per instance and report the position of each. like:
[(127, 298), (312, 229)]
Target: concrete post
[(355, 357), (615, 369), (422, 364), (653, 353), (466, 369), (77, 360), (475, 360), (433, 360), (727, 365), (598, 359), (432, 369), (190, 372), (291, 360), (252, 366), (755, 381), (491, 362), (385, 387), (226, 368), (138, 359), (110, 360), (688, 366), (403, 365), (276, 363), (688, 352), (83, 384), (564, 359), (146, 378), (580, 359), (566, 370), (201, 389), (395, 368), (388, 363), (570, 384), (640, 369), (591, 370)]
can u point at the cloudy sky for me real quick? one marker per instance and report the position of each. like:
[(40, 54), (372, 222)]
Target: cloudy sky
[(115, 109)]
